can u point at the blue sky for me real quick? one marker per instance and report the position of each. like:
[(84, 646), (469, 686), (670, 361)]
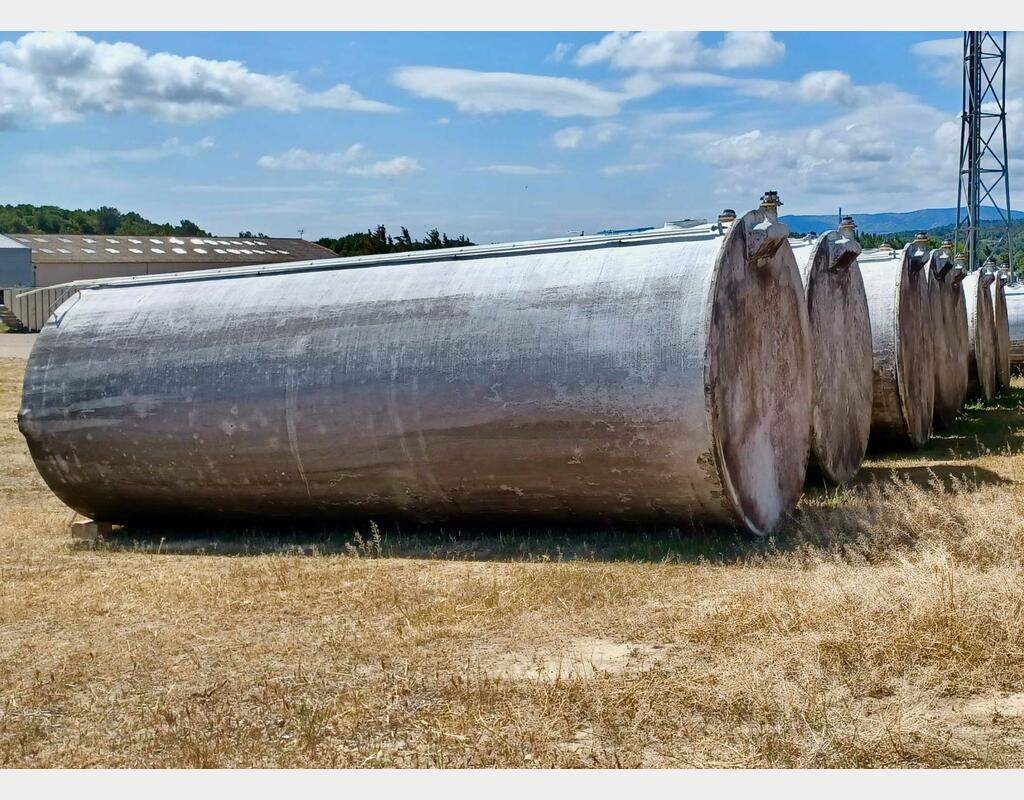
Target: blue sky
[(496, 135)]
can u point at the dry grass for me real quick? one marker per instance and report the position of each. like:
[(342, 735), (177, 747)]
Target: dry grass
[(884, 627)]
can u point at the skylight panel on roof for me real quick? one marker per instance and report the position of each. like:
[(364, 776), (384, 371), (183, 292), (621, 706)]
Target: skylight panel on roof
[(134, 250), (196, 241), (262, 244), (89, 241), (234, 251), (199, 250), (87, 250), (181, 251), (135, 241), (111, 249), (21, 239), (174, 240), (45, 250), (62, 250), (114, 241), (239, 244), (41, 240), (157, 250), (248, 243), (68, 241), (157, 241), (218, 250)]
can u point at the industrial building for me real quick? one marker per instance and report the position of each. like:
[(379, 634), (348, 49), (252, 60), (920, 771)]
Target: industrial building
[(29, 260), (15, 263), (61, 258)]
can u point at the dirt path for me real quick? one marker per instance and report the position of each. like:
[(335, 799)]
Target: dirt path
[(16, 345)]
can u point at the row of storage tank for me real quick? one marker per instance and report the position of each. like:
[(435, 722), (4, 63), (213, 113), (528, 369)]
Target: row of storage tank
[(687, 375)]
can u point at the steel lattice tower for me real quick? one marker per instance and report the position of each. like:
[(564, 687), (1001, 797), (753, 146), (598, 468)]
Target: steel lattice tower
[(984, 174)]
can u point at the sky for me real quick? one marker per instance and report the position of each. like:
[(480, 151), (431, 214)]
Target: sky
[(498, 136)]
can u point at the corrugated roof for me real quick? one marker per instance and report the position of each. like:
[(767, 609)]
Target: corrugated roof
[(63, 248), (10, 244)]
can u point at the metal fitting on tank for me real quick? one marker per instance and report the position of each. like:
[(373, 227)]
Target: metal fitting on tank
[(770, 202), (941, 261), (765, 237), (847, 224), (843, 248), (919, 254), (727, 215), (959, 269)]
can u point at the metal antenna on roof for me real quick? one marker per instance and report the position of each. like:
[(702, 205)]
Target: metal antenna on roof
[(301, 231)]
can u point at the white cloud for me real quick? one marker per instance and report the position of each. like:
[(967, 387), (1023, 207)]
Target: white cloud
[(742, 49), (85, 157), (393, 167), (491, 92), (614, 170), (297, 158), (519, 169), (348, 161), (568, 138), (832, 86), (228, 188), (893, 152), (662, 51), (820, 86), (573, 137), (62, 77), (942, 57), (562, 49)]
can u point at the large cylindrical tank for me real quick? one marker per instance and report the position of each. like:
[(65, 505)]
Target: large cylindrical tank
[(949, 334), (982, 333), (1014, 294), (660, 376), (1001, 329), (899, 307), (841, 351)]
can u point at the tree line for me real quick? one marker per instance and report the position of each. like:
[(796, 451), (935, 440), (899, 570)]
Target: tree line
[(104, 220), (989, 239), (108, 221), (378, 240)]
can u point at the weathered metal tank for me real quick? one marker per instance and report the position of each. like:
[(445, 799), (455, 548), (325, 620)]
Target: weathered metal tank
[(899, 305), (841, 350), (949, 334), (981, 329), (1014, 294), (1001, 327), (655, 376)]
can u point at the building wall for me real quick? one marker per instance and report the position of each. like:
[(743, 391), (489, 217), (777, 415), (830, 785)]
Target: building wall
[(15, 263), (51, 274)]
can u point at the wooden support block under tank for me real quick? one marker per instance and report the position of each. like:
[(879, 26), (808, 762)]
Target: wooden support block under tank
[(89, 530)]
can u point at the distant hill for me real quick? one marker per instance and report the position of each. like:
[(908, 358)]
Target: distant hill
[(887, 222)]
